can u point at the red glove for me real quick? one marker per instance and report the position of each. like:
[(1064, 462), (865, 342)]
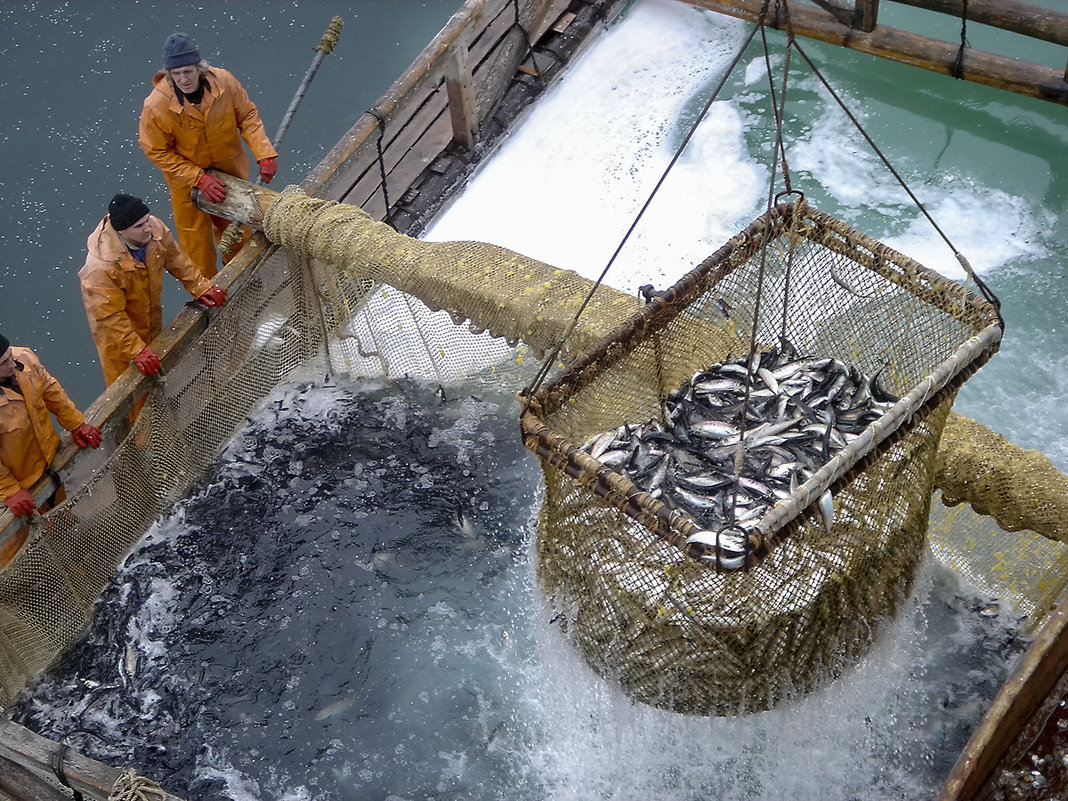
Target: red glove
[(213, 296), (147, 362), (21, 503), (268, 168), (213, 188), (86, 435)]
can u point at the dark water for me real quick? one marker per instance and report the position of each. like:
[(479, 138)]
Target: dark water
[(73, 76)]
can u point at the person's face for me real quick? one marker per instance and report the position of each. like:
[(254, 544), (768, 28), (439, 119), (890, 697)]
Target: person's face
[(186, 78), (139, 233), (7, 364)]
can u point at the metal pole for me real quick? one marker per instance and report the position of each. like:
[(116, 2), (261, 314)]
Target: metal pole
[(325, 47)]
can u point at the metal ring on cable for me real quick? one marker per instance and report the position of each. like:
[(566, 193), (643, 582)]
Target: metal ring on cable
[(785, 192)]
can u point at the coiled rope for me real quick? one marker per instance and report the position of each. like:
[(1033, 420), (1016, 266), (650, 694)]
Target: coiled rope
[(131, 787)]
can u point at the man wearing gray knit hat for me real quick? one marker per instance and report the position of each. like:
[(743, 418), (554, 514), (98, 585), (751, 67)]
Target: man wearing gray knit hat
[(194, 120)]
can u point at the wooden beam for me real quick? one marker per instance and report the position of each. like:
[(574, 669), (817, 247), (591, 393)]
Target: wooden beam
[(26, 760), (1038, 22), (1000, 72)]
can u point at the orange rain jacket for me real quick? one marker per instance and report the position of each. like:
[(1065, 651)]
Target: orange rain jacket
[(183, 141), (122, 295), (28, 440)]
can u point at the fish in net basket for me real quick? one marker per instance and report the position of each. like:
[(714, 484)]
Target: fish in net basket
[(738, 479)]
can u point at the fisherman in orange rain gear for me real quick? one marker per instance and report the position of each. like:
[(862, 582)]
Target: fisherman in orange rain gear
[(195, 119), (122, 281), (28, 440)]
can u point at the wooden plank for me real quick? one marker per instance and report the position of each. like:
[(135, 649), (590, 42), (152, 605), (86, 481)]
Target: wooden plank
[(19, 784), (495, 53), (461, 99), (34, 755), (1028, 19), (1000, 72), (429, 146), (1042, 666)]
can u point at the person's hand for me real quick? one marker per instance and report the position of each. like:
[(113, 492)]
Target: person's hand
[(268, 168), (86, 436), (147, 362), (213, 188), (213, 296), (21, 503)]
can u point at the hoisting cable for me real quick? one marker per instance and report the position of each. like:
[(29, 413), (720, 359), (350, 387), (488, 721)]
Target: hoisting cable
[(382, 160), (957, 70), (778, 152), (550, 359), (986, 292), (526, 37)]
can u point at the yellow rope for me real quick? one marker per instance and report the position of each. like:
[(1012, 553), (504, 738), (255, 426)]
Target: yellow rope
[(131, 787)]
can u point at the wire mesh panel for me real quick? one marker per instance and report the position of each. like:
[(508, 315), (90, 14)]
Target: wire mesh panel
[(771, 599)]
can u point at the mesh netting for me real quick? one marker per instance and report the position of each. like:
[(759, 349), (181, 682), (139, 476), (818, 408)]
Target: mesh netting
[(345, 296), (644, 602)]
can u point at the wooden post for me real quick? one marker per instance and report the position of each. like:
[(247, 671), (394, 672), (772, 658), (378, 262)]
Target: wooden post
[(865, 15), (458, 83)]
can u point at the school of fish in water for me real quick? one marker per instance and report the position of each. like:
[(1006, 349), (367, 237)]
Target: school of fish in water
[(742, 435)]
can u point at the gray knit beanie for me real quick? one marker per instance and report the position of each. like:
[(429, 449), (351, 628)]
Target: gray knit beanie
[(179, 51)]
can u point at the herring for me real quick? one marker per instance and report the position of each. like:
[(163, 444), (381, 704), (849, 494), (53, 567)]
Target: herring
[(724, 456)]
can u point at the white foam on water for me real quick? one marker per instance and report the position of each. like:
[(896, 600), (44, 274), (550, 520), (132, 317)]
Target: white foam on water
[(565, 187)]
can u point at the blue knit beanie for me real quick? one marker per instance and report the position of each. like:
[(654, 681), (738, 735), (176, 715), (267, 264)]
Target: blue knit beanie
[(179, 51)]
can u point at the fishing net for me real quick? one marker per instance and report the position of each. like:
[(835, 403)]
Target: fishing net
[(346, 294), (643, 587)]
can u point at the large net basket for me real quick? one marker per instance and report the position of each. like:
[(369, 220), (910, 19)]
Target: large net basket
[(650, 594)]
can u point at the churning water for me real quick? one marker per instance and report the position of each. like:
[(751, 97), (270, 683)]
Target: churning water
[(347, 608)]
